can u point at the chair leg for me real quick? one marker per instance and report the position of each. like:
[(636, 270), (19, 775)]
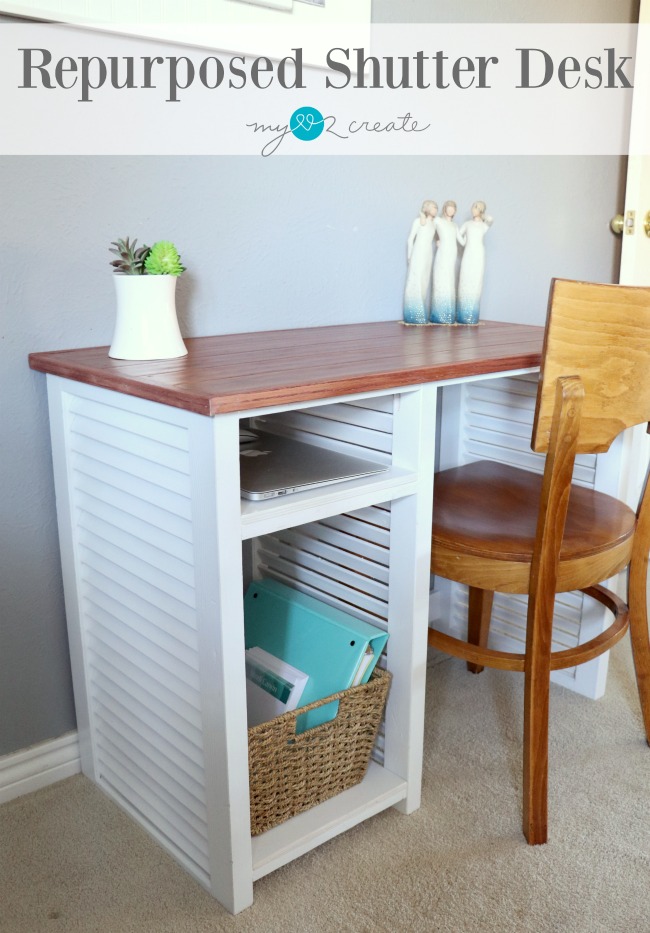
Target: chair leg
[(639, 636), (554, 501), (537, 681), (478, 621)]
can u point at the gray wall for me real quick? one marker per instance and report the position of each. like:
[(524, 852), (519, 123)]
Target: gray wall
[(278, 242), (505, 11)]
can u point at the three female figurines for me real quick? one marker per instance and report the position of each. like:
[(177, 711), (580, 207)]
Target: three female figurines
[(448, 305)]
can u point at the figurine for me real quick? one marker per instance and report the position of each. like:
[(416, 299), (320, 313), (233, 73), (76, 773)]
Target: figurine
[(443, 306), (472, 266), (420, 260)]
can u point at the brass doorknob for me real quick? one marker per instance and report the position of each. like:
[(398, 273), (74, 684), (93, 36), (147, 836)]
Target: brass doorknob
[(617, 224), (646, 225)]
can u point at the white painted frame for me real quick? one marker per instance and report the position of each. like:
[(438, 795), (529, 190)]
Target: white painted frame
[(236, 860)]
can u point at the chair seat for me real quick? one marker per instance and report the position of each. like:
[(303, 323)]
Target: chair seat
[(490, 510)]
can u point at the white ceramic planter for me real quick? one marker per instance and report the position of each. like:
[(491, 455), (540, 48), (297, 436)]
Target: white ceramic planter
[(146, 326)]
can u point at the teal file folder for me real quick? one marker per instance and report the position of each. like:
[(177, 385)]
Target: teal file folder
[(326, 643)]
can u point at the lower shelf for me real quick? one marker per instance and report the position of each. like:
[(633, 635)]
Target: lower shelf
[(379, 790)]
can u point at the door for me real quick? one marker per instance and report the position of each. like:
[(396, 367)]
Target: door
[(635, 252), (635, 255)]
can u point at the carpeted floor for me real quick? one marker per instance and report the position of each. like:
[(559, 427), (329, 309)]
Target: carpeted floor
[(70, 861)]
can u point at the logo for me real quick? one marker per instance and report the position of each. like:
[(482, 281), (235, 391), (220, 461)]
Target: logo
[(307, 123)]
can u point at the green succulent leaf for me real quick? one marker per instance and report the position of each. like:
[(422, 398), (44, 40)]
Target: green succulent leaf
[(163, 259)]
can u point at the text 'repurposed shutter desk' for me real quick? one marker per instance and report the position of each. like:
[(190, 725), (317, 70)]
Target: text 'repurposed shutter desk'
[(153, 532)]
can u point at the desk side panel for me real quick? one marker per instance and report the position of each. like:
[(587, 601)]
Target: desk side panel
[(124, 499)]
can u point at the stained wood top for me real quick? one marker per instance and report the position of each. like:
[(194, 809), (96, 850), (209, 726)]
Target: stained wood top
[(240, 372)]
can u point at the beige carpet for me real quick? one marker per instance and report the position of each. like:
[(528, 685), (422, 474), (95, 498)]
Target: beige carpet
[(70, 861)]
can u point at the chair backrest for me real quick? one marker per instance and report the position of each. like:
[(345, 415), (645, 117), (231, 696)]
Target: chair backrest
[(600, 333)]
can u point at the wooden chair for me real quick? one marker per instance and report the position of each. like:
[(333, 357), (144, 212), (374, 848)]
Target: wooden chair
[(499, 528)]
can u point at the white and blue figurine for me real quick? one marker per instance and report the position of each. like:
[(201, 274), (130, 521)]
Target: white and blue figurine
[(443, 304), (472, 267), (420, 260)]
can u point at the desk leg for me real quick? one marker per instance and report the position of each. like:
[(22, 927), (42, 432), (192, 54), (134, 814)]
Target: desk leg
[(219, 588), (410, 554)]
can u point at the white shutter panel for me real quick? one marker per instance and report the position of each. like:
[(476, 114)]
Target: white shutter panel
[(130, 495), (492, 419)]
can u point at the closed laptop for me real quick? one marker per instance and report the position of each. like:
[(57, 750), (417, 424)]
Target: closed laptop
[(274, 465)]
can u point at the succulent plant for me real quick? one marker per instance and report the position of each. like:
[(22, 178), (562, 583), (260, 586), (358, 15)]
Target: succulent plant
[(163, 259), (130, 260)]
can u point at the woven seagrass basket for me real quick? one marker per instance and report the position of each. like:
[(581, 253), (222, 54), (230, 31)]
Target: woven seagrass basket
[(290, 773)]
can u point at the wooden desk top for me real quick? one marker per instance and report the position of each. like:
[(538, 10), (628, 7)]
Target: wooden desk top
[(240, 372)]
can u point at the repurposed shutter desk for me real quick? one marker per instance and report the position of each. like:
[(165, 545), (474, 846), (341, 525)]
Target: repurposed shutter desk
[(157, 547)]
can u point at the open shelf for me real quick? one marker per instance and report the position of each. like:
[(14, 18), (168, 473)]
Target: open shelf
[(379, 790), (264, 517)]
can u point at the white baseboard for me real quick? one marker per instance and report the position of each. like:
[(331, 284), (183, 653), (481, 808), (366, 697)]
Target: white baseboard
[(36, 767)]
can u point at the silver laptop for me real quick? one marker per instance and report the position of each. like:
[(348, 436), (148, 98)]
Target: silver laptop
[(277, 466)]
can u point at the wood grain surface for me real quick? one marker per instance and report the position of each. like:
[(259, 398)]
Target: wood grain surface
[(239, 372), (600, 333)]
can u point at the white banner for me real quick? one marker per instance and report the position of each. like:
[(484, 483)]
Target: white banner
[(529, 89)]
